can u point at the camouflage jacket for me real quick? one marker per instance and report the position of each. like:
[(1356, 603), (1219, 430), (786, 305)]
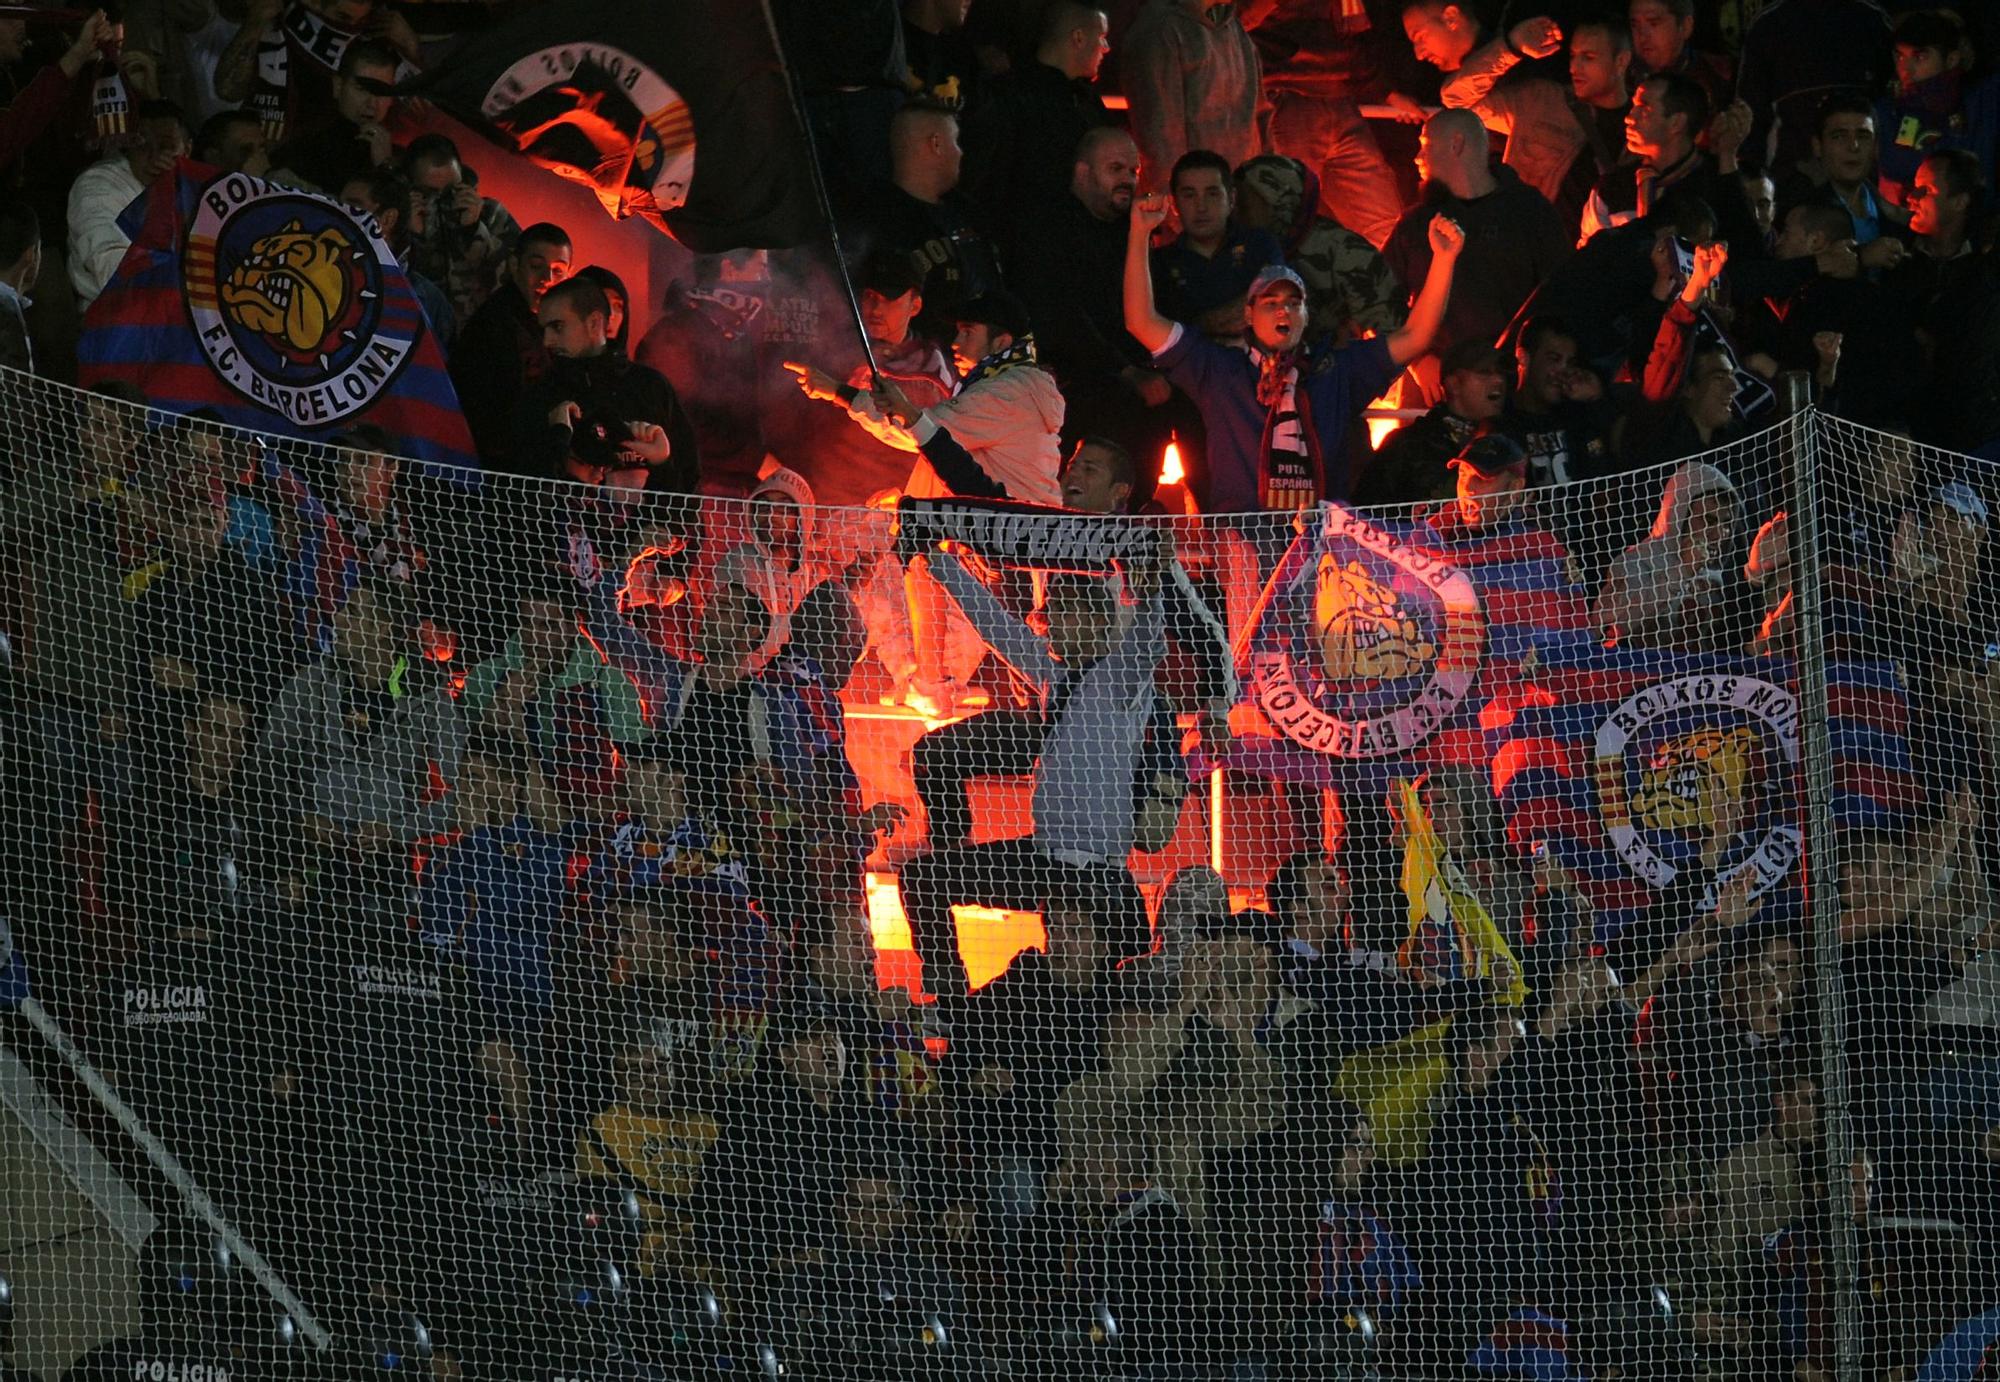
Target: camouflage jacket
[(1350, 289)]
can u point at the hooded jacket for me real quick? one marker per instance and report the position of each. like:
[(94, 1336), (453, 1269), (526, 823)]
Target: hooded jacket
[(1192, 76), (1658, 593), (779, 583)]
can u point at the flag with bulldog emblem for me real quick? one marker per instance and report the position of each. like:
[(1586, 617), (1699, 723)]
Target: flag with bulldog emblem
[(678, 113), (281, 310), (1623, 763)]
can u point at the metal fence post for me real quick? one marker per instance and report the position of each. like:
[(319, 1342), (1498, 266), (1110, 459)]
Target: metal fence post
[(1822, 878)]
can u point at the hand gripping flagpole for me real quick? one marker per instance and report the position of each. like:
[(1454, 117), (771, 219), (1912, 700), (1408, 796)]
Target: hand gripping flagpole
[(819, 189)]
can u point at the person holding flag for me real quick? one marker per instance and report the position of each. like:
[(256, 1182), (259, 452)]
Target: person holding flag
[(43, 99), (1008, 413), (1274, 411)]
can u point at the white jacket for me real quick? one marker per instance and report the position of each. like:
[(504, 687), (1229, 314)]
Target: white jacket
[(1010, 422), (97, 199)]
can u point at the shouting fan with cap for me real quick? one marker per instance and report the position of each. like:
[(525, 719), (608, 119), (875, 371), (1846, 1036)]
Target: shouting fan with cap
[(1272, 409)]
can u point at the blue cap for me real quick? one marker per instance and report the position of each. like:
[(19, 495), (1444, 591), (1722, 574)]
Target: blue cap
[(1269, 277)]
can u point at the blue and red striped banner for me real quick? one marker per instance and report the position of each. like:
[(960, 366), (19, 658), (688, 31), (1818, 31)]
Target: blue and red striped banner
[(280, 310)]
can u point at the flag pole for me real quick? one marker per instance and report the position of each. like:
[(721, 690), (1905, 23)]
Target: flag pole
[(819, 189)]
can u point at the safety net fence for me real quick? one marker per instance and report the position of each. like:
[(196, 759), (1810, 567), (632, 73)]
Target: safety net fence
[(514, 930)]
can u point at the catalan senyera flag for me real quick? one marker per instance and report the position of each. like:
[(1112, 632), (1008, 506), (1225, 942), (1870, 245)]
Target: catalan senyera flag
[(1451, 936), (281, 310), (676, 112)]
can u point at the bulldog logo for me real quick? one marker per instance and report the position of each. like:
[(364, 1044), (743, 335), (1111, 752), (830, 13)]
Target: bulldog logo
[(1675, 789), (1670, 755), (294, 288), (287, 293), (1364, 647), (1363, 631)]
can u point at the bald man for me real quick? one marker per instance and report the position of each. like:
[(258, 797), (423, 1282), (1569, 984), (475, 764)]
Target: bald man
[(1020, 143), (1543, 136), (921, 216), (1069, 271), (1513, 237)]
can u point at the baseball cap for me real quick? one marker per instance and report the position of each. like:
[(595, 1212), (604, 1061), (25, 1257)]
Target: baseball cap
[(1492, 454), (891, 275), (1963, 500), (1472, 357), (1272, 276), (1001, 311)]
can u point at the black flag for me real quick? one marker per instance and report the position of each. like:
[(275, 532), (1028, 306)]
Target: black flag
[(675, 110)]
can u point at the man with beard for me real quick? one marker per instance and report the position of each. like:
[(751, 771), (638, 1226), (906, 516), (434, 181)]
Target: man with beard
[(1069, 268), (597, 403)]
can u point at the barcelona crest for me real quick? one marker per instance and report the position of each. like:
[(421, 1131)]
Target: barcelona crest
[(1379, 642), (1682, 757), (285, 292)]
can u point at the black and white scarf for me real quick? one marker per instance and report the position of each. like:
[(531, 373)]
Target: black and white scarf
[(321, 43), (1290, 472)]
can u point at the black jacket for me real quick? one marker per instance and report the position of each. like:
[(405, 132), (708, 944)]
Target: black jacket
[(1513, 240), (1070, 273), (497, 359), (1410, 466), (326, 155), (612, 387), (1021, 144), (954, 262), (1147, 1268)]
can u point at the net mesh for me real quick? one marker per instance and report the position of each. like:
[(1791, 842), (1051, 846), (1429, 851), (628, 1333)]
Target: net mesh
[(508, 930)]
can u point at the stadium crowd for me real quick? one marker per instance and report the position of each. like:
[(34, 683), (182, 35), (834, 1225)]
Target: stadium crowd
[(489, 937)]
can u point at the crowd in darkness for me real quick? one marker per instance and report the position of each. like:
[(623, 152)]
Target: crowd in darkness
[(466, 882)]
